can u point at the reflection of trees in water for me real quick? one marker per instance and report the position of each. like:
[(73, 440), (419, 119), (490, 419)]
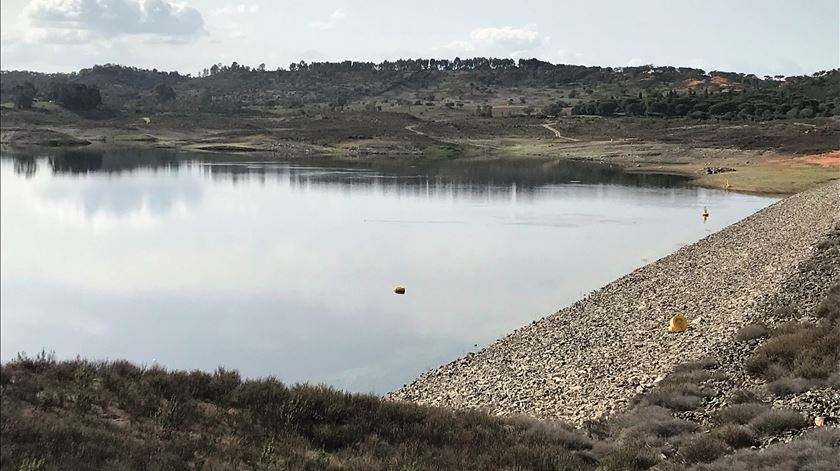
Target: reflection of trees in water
[(487, 177), (76, 162), (495, 177), (26, 166)]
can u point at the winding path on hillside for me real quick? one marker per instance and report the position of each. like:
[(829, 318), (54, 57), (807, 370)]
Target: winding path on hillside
[(558, 135), (413, 128)]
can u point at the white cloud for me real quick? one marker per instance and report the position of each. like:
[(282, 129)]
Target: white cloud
[(64, 21), (504, 41), (330, 23), (237, 9), (56, 36)]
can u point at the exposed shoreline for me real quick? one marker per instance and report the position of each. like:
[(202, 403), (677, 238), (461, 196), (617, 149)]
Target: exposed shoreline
[(769, 158), (589, 359)]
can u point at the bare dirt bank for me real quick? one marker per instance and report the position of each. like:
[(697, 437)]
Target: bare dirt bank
[(589, 359), (779, 157)]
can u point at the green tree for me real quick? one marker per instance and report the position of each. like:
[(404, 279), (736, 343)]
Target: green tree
[(205, 100), (164, 93), (24, 95), (75, 96)]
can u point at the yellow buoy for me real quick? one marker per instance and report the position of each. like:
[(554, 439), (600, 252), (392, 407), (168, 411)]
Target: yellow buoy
[(399, 290), (705, 212), (678, 324)]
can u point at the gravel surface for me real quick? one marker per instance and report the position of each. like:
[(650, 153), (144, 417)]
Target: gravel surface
[(796, 301), (591, 358)]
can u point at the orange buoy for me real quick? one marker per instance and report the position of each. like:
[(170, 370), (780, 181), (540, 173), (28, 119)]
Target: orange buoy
[(399, 290), (678, 324)]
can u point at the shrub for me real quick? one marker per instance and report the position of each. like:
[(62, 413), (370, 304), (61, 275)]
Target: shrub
[(777, 421), (750, 332), (628, 458), (799, 350), (829, 308), (679, 397), (741, 396), (786, 386), (736, 436), (702, 449), (816, 450), (651, 423), (740, 413), (177, 420)]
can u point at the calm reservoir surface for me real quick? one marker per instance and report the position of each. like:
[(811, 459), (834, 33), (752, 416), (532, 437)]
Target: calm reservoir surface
[(287, 269)]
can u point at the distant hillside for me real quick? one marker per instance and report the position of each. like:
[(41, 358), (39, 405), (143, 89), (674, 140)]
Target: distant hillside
[(532, 85)]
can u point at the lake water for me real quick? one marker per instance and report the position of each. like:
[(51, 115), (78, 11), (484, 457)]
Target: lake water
[(288, 269)]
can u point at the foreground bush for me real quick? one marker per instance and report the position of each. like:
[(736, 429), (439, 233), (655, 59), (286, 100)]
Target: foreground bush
[(114, 415)]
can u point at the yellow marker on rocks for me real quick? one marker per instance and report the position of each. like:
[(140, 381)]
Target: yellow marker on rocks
[(399, 290), (678, 324)]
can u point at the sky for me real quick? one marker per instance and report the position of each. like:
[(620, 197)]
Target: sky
[(764, 37)]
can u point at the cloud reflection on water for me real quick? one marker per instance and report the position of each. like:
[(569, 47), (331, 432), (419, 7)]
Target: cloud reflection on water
[(285, 269)]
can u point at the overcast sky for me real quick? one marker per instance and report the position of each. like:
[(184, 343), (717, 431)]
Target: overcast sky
[(754, 36)]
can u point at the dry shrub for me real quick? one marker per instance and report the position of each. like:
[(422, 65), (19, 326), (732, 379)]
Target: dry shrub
[(816, 450), (806, 351), (736, 436), (552, 430), (776, 421), (679, 396), (829, 308), (629, 458), (740, 414), (750, 332), (702, 449), (650, 425), (741, 396), (787, 386)]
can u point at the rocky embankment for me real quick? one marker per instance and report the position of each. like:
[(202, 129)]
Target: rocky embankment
[(592, 357)]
